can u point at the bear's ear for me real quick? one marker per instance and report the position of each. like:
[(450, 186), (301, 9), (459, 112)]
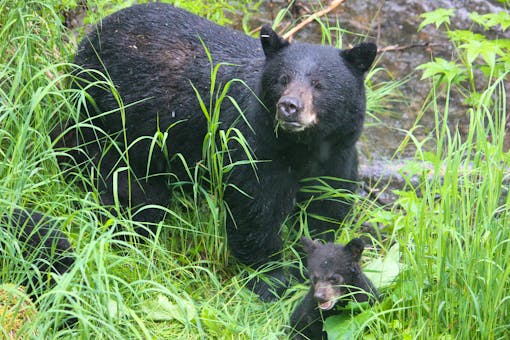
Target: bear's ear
[(361, 56), (271, 41), (309, 245), (355, 247)]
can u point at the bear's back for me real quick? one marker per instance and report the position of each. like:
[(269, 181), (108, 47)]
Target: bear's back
[(153, 53), (162, 33)]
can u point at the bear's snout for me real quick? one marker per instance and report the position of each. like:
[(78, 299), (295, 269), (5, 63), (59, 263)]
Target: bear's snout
[(295, 113), (325, 291), (321, 295), (288, 109)]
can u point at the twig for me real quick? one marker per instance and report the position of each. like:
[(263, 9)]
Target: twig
[(334, 4), (393, 48)]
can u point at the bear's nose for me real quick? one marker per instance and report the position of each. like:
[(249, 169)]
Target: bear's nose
[(320, 296), (289, 108)]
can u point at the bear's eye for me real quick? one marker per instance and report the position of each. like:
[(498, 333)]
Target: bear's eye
[(317, 84), (284, 79), (336, 279)]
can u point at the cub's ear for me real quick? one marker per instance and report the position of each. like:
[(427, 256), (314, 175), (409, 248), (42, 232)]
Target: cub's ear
[(361, 56), (355, 247), (309, 245), (271, 41)]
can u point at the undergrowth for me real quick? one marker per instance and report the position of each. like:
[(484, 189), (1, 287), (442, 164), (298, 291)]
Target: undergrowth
[(450, 230)]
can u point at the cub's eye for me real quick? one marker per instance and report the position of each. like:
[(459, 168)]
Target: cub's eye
[(317, 84), (284, 79), (336, 279)]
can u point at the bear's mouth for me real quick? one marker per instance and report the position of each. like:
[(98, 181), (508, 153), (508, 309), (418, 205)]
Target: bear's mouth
[(327, 305), (292, 126)]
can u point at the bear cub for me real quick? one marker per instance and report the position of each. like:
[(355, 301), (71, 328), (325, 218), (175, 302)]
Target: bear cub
[(335, 277)]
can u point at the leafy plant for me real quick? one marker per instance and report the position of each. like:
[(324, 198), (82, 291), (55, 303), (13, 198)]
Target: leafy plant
[(451, 221), (480, 61)]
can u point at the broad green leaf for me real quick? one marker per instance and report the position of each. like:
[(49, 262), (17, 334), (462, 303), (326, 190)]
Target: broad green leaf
[(161, 309), (502, 18), (430, 158), (403, 291), (383, 271), (473, 99), (503, 44), (479, 19), (345, 326), (462, 36), (438, 17), (443, 68), (485, 48), (490, 20)]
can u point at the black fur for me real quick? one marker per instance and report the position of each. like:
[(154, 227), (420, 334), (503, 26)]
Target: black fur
[(43, 244)]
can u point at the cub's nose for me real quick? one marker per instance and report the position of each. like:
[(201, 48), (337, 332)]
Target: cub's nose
[(289, 108), (320, 296)]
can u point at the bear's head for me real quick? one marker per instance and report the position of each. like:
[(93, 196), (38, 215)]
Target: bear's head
[(334, 271), (315, 90)]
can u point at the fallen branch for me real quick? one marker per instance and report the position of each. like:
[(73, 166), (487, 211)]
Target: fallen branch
[(393, 48), (334, 4)]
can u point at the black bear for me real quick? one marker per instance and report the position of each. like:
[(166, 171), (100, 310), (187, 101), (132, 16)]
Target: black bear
[(299, 106), (42, 243), (335, 278)]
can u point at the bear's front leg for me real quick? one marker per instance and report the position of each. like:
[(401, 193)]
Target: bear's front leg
[(257, 249), (253, 229)]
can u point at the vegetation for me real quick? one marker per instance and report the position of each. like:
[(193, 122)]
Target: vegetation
[(451, 228)]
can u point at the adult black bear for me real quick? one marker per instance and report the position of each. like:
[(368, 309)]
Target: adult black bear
[(302, 108), (335, 278)]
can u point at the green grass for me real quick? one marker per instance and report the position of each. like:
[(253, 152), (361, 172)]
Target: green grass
[(452, 228)]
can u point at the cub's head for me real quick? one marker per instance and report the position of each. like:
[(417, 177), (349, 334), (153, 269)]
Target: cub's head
[(312, 88), (334, 271)]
